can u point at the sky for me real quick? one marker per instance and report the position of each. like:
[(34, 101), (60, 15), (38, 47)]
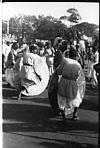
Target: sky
[(89, 11)]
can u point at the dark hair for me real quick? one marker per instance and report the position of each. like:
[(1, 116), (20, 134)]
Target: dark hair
[(33, 47), (48, 44), (59, 40), (63, 46), (72, 52), (94, 49), (7, 42), (67, 53), (14, 46)]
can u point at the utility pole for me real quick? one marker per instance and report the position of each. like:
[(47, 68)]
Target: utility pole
[(8, 27), (8, 23)]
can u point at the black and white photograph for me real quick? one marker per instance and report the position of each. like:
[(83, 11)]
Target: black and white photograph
[(49, 74)]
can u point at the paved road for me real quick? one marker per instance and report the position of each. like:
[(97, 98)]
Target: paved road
[(30, 123)]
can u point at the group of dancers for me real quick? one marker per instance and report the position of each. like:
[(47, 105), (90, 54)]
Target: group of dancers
[(60, 66)]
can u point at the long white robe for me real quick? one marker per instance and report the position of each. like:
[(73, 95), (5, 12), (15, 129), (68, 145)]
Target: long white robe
[(24, 74)]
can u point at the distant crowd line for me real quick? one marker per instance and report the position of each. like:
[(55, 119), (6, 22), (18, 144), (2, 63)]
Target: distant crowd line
[(82, 51)]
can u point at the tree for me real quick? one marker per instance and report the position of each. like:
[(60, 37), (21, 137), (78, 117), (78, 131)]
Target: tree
[(49, 28), (63, 18), (23, 24), (73, 10), (75, 16), (88, 28), (71, 33)]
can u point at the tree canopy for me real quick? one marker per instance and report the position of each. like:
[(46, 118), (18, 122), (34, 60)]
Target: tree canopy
[(47, 27)]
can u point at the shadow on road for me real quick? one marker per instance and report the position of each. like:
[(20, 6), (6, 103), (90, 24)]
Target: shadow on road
[(57, 143), (91, 99), (38, 118), (68, 144), (35, 115), (89, 105)]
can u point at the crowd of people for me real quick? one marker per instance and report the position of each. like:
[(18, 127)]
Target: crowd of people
[(66, 59), (43, 49)]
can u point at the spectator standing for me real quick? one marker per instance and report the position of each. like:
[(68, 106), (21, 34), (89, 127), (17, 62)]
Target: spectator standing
[(11, 59), (95, 60)]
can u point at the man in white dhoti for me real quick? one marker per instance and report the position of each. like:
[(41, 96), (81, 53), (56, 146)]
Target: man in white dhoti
[(71, 86)]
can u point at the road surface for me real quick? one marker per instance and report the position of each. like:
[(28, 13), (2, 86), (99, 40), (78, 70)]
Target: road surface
[(30, 123)]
